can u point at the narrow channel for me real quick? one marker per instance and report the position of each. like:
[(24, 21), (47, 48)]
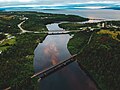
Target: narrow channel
[(50, 52)]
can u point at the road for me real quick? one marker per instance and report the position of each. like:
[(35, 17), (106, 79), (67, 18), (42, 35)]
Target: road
[(23, 30), (45, 32)]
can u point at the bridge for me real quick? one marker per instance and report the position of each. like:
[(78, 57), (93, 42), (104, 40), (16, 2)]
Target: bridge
[(46, 32), (48, 71), (43, 74), (52, 69), (56, 32)]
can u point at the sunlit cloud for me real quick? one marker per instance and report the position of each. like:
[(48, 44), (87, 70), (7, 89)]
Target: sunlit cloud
[(52, 51)]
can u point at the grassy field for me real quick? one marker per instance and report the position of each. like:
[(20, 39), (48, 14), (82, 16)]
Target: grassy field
[(7, 43)]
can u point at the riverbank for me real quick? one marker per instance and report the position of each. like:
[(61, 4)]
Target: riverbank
[(17, 60), (101, 56)]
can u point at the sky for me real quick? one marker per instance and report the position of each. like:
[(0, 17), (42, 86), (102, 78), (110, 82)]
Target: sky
[(48, 2)]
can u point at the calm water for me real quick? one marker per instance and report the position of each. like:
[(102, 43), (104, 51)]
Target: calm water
[(50, 52), (54, 27), (101, 13)]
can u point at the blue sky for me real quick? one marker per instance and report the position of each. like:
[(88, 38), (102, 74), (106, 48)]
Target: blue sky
[(50, 2)]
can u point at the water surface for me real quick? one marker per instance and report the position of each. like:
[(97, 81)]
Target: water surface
[(50, 52), (100, 13)]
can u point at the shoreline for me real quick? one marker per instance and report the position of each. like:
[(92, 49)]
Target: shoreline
[(20, 55), (26, 57)]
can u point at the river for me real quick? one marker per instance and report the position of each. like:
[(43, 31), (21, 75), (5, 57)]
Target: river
[(50, 52)]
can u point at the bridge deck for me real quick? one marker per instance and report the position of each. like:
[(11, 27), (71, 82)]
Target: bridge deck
[(54, 68), (58, 31)]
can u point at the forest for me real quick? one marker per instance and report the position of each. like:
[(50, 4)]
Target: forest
[(17, 49), (101, 57)]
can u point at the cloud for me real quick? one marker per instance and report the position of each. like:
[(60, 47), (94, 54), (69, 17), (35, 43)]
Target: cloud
[(38, 1), (15, 1), (25, 0), (50, 2)]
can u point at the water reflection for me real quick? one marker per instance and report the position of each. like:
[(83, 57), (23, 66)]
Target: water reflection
[(54, 27), (50, 52)]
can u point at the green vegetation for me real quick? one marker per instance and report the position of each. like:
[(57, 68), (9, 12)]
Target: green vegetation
[(77, 26), (113, 34), (7, 43), (118, 36), (78, 41), (16, 59), (101, 57), (8, 23), (2, 36), (116, 23), (17, 63), (41, 19)]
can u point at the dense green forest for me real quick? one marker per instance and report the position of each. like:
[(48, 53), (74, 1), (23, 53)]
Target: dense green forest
[(99, 52), (2, 36), (16, 63), (77, 26), (101, 57), (16, 59)]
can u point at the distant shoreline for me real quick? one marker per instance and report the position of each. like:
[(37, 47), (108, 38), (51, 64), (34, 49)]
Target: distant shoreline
[(79, 13)]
